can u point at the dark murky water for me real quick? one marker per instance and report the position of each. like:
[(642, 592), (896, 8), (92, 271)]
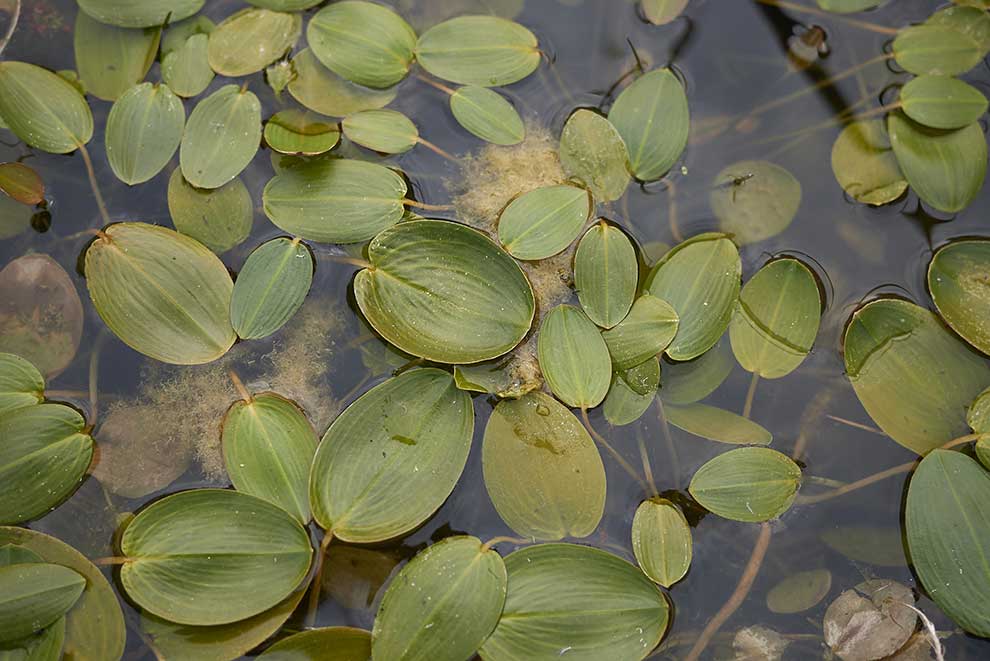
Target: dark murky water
[(732, 56)]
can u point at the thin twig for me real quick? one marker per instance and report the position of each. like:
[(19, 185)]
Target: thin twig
[(647, 470), (433, 83), (857, 425), (94, 377), (13, 26), (92, 184), (428, 207), (437, 150), (239, 387), (612, 451), (675, 230), (675, 463), (353, 261)]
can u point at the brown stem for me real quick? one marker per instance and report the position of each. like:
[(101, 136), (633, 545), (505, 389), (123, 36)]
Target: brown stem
[(675, 230), (433, 83), (675, 462), (750, 395), (423, 205), (239, 386), (498, 540), (94, 377), (737, 597), (354, 261), (92, 184), (314, 590), (612, 451), (110, 561), (437, 150), (857, 425)]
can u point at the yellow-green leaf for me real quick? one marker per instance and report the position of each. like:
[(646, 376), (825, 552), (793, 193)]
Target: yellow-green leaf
[(42, 109), (942, 102), (487, 114), (747, 484), (111, 60), (645, 332), (606, 272), (270, 288), (592, 151), (139, 13), (574, 358), (251, 39), (661, 541), (957, 282), (221, 137), (323, 91), (479, 50), (386, 131), (544, 221), (864, 163), (144, 129)]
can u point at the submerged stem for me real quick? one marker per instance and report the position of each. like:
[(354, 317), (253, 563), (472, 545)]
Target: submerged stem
[(13, 25), (423, 205), (437, 150), (314, 589), (433, 83), (619, 459), (750, 395), (647, 470), (93, 185), (674, 459), (94, 377)]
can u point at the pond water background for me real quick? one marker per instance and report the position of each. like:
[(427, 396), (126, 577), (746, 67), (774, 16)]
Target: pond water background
[(732, 56)]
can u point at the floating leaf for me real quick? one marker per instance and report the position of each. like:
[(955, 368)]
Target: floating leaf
[(645, 332), (605, 274), (574, 358), (444, 292), (386, 131), (44, 457), (624, 402), (799, 592), (576, 598), (755, 200), (186, 67), (454, 590), (948, 535), (972, 21), (365, 43), (95, 625), (328, 644), (479, 50), (499, 377), (542, 470), (111, 60), (544, 221), (872, 621), (692, 381), (178, 33), (747, 484), (144, 129), (914, 378), (652, 117), (15, 217), (323, 91), (335, 200), (21, 183), (392, 457), (700, 279), (661, 12), (864, 164), (251, 39), (222, 641), (937, 50), (957, 282), (270, 288), (219, 218), (661, 541), (21, 384), (296, 131), (487, 114), (942, 102), (42, 109), (35, 595), (945, 168), (847, 6), (221, 137), (212, 556), (268, 447), (717, 424), (592, 151), (140, 13), (162, 293), (776, 319), (41, 316)]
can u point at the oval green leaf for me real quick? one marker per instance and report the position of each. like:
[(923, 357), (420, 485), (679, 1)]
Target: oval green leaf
[(251, 39), (914, 378), (544, 221), (592, 151), (385, 131), (443, 604), (945, 168), (162, 293), (577, 598), (219, 218), (221, 137), (21, 384), (700, 279), (606, 272), (717, 424), (42, 109), (328, 644), (444, 292), (661, 541), (937, 50), (323, 91), (542, 469), (212, 556), (755, 200), (948, 535), (864, 163), (185, 62), (479, 50), (488, 115), (268, 448), (776, 319), (645, 332), (43, 459), (21, 183), (957, 285), (942, 102), (392, 457), (334, 200), (363, 42), (270, 288), (748, 484), (144, 129), (295, 131), (35, 595), (139, 13), (799, 592), (692, 381), (574, 358), (631, 393), (652, 117), (111, 60)]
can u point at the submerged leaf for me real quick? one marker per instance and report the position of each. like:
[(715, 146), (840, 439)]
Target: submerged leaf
[(661, 541), (444, 292), (799, 592), (270, 288), (544, 221), (221, 137), (251, 39), (455, 589), (592, 151), (392, 457), (478, 50), (631, 393), (542, 469), (42, 109), (487, 114), (717, 424), (111, 60), (144, 129), (162, 293), (748, 484), (864, 163), (574, 358), (871, 621), (605, 274), (219, 218), (755, 200), (329, 644), (957, 280)]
